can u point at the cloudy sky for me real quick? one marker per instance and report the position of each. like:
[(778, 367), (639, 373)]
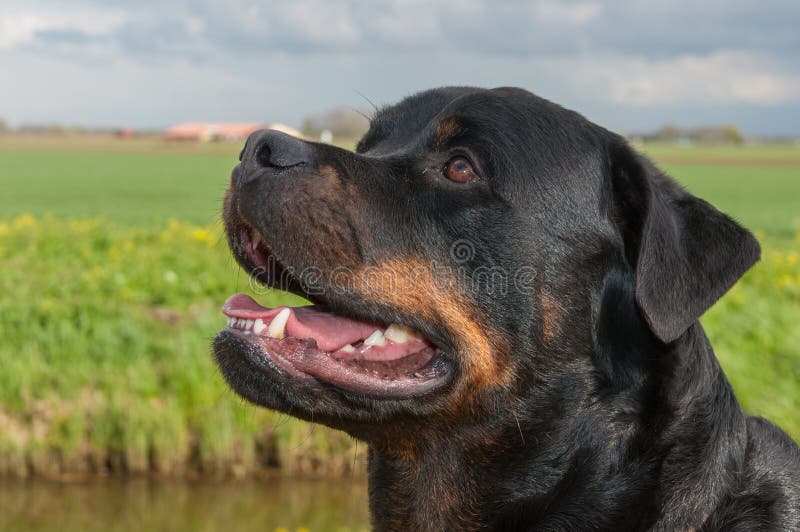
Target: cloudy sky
[(627, 64)]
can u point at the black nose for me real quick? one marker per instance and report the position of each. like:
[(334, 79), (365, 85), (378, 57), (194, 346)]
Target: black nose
[(268, 148)]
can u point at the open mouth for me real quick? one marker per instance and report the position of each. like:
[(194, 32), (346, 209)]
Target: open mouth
[(359, 356)]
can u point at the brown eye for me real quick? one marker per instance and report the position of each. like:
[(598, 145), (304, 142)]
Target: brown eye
[(460, 170)]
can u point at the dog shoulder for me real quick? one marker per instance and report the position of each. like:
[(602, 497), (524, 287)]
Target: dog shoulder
[(769, 498)]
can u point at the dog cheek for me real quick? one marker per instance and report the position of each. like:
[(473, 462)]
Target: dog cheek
[(410, 285)]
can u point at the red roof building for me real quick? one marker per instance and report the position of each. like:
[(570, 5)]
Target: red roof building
[(208, 131)]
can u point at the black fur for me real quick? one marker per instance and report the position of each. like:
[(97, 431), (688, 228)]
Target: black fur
[(609, 410)]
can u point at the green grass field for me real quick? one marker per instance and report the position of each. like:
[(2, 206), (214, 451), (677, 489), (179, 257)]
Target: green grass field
[(126, 187), (142, 181), (114, 269)]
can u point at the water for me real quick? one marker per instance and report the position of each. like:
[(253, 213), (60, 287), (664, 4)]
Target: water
[(178, 506)]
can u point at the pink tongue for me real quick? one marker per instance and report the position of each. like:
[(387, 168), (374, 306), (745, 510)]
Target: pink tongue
[(329, 330)]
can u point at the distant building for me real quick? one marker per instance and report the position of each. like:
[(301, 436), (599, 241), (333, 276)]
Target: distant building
[(221, 131), (725, 134)]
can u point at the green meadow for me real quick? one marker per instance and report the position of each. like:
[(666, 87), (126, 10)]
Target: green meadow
[(126, 185), (114, 268)]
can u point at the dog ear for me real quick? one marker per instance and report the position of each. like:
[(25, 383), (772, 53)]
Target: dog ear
[(684, 252)]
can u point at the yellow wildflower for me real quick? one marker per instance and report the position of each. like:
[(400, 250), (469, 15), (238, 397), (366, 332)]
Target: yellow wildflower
[(202, 235), (24, 221), (96, 273), (81, 225)]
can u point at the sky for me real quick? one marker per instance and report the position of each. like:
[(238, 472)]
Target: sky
[(631, 66)]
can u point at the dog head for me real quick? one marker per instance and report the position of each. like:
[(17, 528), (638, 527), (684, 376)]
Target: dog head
[(477, 248)]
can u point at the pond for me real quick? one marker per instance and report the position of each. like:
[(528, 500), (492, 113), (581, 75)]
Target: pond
[(170, 505)]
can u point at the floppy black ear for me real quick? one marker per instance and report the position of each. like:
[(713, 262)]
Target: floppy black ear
[(685, 253)]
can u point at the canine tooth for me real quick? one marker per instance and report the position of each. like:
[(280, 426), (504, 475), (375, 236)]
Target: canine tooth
[(256, 238), (231, 321), (277, 327), (347, 349), (375, 339), (259, 326), (248, 324), (400, 333)]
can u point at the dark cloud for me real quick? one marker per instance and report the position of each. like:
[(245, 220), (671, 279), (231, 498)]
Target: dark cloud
[(650, 29), (162, 61)]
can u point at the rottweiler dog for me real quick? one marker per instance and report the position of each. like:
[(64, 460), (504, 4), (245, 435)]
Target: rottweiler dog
[(505, 308)]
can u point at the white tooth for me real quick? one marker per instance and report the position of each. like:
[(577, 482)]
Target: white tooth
[(277, 327), (248, 324), (231, 321), (240, 323), (375, 339), (400, 333), (256, 238), (347, 349), (258, 326)]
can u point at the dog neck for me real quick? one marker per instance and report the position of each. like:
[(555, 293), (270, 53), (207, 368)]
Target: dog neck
[(542, 463), (438, 484)]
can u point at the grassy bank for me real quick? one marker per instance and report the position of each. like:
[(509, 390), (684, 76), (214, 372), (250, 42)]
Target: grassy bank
[(106, 364)]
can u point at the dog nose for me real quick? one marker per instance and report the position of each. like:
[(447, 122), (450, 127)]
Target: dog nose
[(268, 148)]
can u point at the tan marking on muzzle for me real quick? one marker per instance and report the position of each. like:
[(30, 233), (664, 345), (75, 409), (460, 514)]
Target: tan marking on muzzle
[(412, 285), (324, 205)]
